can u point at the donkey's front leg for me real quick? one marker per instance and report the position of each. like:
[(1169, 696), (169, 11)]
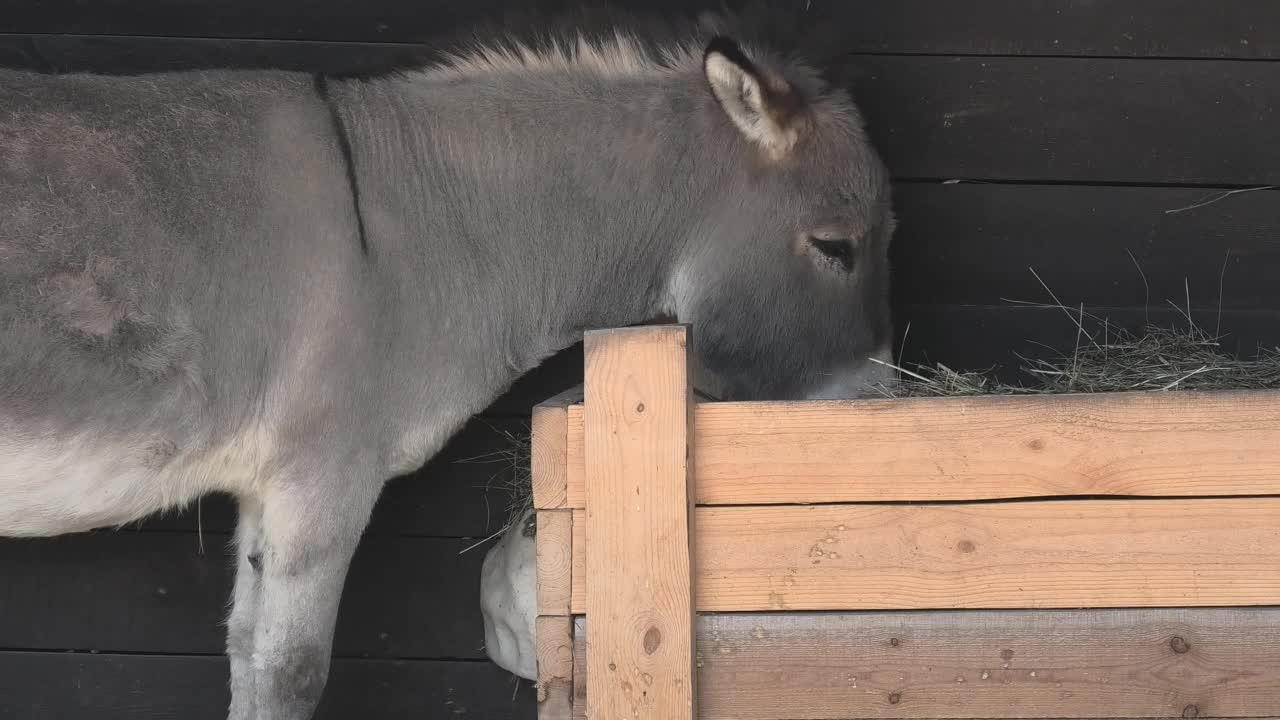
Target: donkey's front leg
[(244, 608), (310, 529)]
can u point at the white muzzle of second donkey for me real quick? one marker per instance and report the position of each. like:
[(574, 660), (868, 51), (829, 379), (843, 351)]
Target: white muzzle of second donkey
[(508, 601)]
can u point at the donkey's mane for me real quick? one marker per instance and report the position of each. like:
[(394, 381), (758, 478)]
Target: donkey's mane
[(615, 41)]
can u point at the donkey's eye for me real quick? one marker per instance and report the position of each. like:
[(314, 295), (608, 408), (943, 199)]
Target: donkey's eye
[(838, 251)]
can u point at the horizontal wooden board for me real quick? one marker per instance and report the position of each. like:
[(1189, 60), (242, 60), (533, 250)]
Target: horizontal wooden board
[(979, 448), (129, 55), (1077, 120), (1009, 119), (134, 592), (983, 244), (1053, 554), (462, 492), (1136, 28), (375, 21), (1007, 664), (53, 686), (1129, 28)]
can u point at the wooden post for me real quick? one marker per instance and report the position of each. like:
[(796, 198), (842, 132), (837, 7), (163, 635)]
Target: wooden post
[(554, 547), (637, 415)]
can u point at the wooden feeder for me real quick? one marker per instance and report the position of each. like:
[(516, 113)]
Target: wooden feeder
[(1068, 556)]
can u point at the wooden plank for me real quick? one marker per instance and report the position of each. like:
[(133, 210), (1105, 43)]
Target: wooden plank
[(128, 55), (156, 592), (49, 686), (978, 243), (555, 667), (377, 21), (554, 547), (1077, 120), (549, 454), (1007, 664), (1052, 554), (989, 447), (637, 578), (1007, 118), (1130, 28)]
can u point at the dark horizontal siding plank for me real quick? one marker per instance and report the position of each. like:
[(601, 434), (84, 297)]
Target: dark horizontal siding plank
[(130, 55), (373, 21), (462, 492), (1010, 119), (1129, 28), (57, 686), (148, 592), (1074, 120), (1132, 28), (971, 244), (982, 337)]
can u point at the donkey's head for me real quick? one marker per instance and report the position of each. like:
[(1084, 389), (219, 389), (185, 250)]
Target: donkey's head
[(786, 279)]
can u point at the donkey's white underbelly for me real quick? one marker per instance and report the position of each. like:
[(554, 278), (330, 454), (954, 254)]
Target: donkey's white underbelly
[(77, 484)]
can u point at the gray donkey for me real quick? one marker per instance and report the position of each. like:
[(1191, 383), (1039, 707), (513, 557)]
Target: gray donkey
[(291, 289)]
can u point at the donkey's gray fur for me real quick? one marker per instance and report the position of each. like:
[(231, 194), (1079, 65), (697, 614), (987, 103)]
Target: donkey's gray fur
[(201, 291)]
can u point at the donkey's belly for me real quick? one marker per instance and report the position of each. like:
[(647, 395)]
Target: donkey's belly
[(77, 483)]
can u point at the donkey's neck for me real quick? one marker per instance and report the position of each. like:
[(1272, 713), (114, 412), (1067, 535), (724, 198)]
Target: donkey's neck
[(518, 211)]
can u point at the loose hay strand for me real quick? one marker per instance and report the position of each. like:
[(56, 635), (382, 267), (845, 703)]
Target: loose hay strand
[(514, 477), (1156, 359)]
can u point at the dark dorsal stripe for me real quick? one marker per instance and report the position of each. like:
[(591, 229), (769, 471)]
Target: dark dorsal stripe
[(344, 143)]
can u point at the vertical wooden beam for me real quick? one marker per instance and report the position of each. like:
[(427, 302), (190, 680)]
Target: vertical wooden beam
[(553, 628), (637, 414)]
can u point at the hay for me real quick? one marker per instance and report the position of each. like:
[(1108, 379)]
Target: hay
[(1112, 360), (513, 477)]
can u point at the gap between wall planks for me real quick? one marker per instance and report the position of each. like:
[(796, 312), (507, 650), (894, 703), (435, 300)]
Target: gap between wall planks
[(1143, 663), (637, 579), (1177, 444)]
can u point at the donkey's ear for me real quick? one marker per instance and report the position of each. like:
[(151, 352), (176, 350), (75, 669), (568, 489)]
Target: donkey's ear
[(764, 107)]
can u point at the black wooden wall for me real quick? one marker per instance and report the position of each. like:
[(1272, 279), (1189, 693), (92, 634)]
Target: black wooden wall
[(1068, 137)]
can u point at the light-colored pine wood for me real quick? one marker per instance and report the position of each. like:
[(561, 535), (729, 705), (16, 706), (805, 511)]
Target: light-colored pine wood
[(555, 667), (637, 576), (549, 457), (1074, 553), (931, 449), (575, 473), (994, 664), (554, 547)]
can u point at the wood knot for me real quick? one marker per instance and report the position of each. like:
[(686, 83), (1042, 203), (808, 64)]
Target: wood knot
[(894, 698), (1179, 645), (652, 639), (1191, 711), (967, 546), (1036, 444), (640, 409), (894, 642)]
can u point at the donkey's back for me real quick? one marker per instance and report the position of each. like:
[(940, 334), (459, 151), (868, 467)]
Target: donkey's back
[(142, 220)]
